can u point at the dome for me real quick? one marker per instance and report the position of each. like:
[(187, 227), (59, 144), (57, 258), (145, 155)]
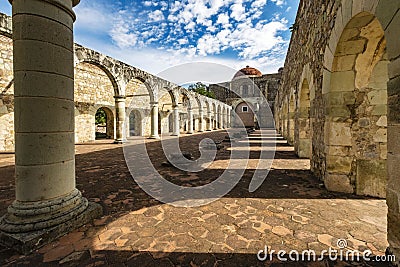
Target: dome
[(248, 71)]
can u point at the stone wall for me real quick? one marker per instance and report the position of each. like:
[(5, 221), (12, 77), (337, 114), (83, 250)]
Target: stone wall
[(6, 95), (339, 99)]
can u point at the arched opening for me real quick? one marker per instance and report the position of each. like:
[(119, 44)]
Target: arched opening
[(356, 120), (138, 100), (245, 115), (135, 123), (104, 123), (303, 146), (93, 88)]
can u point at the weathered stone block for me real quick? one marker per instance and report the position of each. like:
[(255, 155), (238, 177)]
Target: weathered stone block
[(350, 48), (342, 81), (338, 164), (380, 136), (339, 133), (338, 183), (379, 110), (304, 148), (371, 178), (344, 63), (382, 121), (338, 150)]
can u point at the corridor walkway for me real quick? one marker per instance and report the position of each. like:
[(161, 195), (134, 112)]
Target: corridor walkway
[(290, 211)]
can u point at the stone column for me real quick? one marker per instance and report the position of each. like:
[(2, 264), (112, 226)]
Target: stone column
[(120, 136), (190, 121), (47, 203), (154, 121), (201, 118), (176, 128), (228, 118), (209, 116), (218, 121)]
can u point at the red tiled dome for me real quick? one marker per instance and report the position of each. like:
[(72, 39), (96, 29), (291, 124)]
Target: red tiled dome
[(248, 71)]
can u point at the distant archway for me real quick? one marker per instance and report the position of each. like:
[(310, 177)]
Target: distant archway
[(303, 146), (245, 115), (104, 122), (135, 123)]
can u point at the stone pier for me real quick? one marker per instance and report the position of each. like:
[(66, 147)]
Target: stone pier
[(47, 203)]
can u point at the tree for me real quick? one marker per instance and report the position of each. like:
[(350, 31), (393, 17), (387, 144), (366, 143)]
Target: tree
[(100, 117), (202, 89)]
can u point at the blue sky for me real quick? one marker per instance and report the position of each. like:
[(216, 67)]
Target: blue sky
[(155, 35)]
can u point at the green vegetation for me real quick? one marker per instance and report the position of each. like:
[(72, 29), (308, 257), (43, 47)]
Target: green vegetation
[(101, 117), (202, 89)]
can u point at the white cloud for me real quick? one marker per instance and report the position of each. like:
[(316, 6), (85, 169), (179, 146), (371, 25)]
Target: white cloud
[(258, 3), (121, 35), (156, 15), (238, 12), (223, 19), (190, 30), (279, 2)]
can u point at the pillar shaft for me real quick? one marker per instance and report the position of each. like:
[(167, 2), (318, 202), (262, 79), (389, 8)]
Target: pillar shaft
[(201, 118), (46, 197), (120, 136), (228, 119), (176, 127), (209, 116), (154, 120), (190, 121)]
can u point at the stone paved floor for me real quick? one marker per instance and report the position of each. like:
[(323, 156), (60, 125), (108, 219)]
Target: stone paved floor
[(290, 211)]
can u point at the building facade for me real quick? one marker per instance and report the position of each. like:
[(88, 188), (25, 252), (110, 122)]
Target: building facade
[(251, 95)]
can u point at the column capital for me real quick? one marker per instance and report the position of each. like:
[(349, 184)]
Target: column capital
[(120, 97), (62, 5)]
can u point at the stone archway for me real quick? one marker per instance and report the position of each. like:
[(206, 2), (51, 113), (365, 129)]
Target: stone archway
[(356, 112), (245, 116), (303, 131), (104, 123), (291, 114)]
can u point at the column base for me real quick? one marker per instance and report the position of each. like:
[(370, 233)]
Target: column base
[(208, 130), (154, 137), (116, 141), (26, 242), (174, 134), (189, 132)]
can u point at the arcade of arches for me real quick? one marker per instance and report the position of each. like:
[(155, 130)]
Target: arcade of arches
[(339, 99), (338, 105)]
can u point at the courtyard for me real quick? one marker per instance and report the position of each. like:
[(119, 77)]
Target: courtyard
[(291, 210)]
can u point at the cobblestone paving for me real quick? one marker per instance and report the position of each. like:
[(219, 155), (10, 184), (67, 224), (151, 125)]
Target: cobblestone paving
[(290, 211)]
